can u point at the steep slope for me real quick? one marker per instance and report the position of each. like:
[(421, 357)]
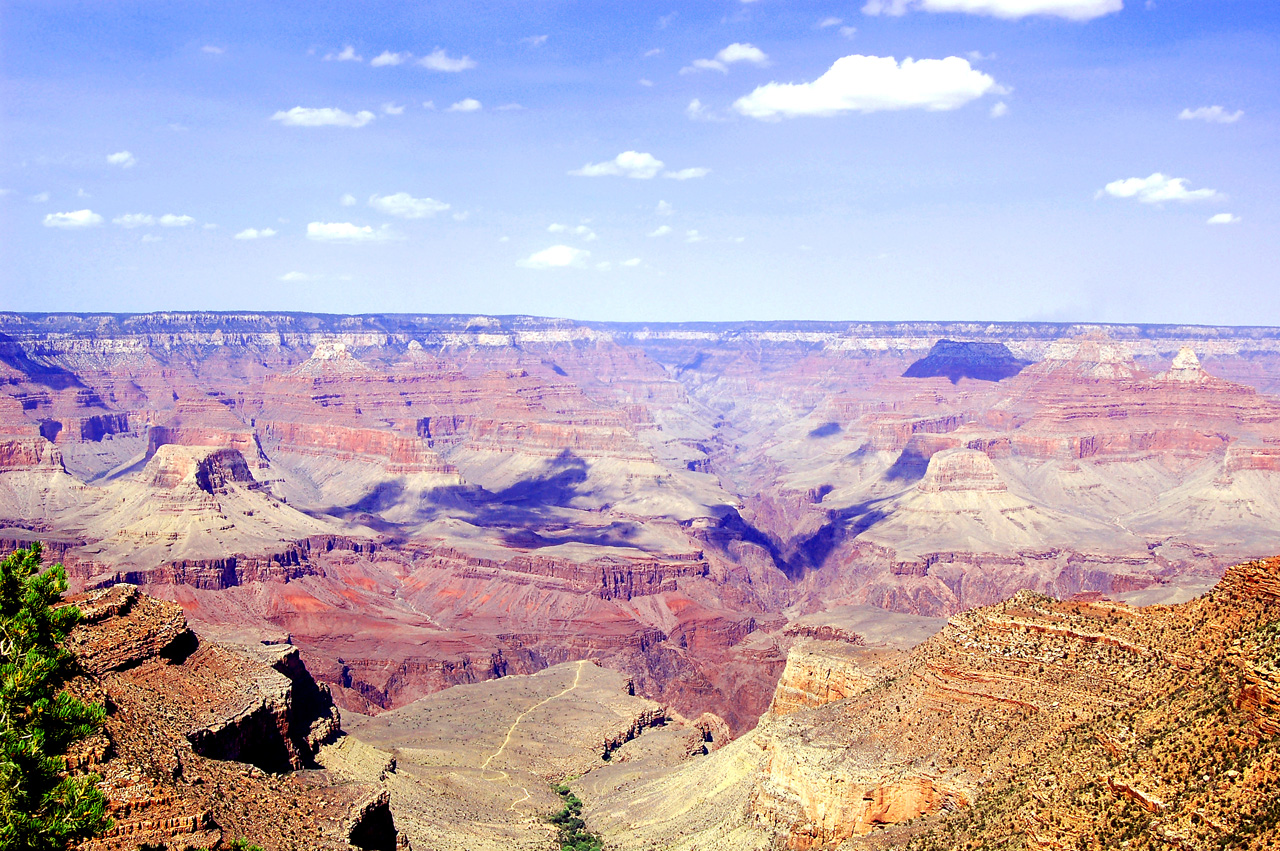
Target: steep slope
[(1031, 723)]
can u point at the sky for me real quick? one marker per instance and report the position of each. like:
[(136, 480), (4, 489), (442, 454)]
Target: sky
[(1003, 160)]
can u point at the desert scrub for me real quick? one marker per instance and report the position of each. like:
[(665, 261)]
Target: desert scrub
[(573, 834)]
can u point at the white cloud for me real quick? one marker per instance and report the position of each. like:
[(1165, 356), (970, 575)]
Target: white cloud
[(661, 230), (830, 22), (534, 40), (870, 84), (405, 206), (555, 227), (293, 277), (646, 83), (742, 52), (604, 265), (555, 257), (345, 232), (428, 104), (693, 236), (1075, 10), (634, 164), (1000, 110), (134, 220), (39, 198), (348, 54), (254, 233), (215, 50), (438, 60), (665, 209), (704, 65), (124, 159), (979, 56), (386, 57), (1212, 114), (736, 52), (462, 215), (392, 109), (634, 261), (347, 200), (77, 219), (209, 226), (301, 116), (687, 173), (466, 105), (169, 220), (848, 32), (1223, 219), (510, 107), (150, 237), (654, 52), (697, 110), (1156, 189), (80, 193)]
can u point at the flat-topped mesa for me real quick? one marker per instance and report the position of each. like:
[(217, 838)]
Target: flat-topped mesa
[(331, 358), (955, 360), (1091, 358), (208, 468), (961, 470)]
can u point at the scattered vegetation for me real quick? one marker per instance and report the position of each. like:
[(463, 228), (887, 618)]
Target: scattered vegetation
[(574, 835), (41, 808), (243, 845)]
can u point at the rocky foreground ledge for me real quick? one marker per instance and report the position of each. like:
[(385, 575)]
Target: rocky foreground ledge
[(206, 743)]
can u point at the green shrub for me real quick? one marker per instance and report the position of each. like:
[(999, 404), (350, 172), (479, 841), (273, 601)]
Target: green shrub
[(41, 808)]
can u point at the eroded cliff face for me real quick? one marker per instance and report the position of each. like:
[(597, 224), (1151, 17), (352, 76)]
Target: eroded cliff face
[(202, 741), (426, 501)]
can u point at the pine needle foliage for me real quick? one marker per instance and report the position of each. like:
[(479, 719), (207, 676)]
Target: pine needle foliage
[(41, 808)]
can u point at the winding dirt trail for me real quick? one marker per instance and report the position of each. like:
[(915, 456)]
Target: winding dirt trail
[(484, 766)]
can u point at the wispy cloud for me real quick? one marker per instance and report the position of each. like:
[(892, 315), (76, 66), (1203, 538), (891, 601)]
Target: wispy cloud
[(301, 116), (1156, 189), (555, 257), (1212, 114), (123, 159), (1075, 10), (1224, 219), (1000, 110), (405, 206), (830, 22), (587, 234), (534, 40), (213, 49), (634, 261), (348, 200), (296, 277), (392, 109), (664, 209), (76, 219), (660, 230), (347, 54), (633, 164), (346, 232), (736, 52), (438, 60), (687, 173), (255, 233), (693, 236), (871, 84), (466, 105), (134, 220), (386, 57)]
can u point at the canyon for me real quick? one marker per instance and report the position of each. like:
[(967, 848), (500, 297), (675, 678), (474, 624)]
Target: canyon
[(419, 502)]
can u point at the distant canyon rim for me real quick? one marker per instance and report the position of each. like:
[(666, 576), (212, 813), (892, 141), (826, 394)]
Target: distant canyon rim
[(420, 501)]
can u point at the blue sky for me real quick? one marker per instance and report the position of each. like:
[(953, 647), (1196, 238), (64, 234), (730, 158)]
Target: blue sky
[(1037, 159)]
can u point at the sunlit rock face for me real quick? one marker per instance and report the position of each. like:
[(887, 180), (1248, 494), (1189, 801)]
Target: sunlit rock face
[(424, 501)]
